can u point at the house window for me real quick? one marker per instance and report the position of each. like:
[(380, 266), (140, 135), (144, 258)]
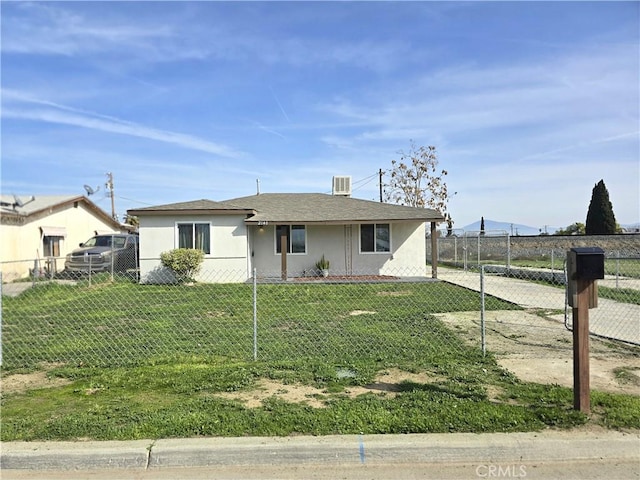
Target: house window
[(375, 238), (195, 235), (52, 238), (296, 238), (51, 246)]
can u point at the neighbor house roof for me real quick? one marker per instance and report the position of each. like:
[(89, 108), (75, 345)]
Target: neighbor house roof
[(300, 208), (40, 206)]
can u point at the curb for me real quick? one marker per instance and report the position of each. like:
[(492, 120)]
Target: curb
[(467, 448)]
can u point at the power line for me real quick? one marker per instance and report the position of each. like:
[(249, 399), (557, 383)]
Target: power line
[(135, 201), (369, 180), (366, 178)]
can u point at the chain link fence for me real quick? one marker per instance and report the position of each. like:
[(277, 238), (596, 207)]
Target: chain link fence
[(544, 325), (470, 249), (108, 318), (542, 260)]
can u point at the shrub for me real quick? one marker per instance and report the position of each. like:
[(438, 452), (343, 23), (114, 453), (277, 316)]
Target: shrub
[(322, 264), (185, 262)]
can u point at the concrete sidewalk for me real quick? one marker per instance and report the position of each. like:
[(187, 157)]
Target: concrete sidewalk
[(566, 454)]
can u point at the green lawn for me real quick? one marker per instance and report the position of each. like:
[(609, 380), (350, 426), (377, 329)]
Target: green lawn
[(122, 323), (148, 361)]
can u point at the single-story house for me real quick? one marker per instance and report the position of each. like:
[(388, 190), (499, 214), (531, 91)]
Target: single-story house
[(357, 237), (38, 232)]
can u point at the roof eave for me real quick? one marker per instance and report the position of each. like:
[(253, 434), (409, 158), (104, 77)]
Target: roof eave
[(145, 212), (259, 222)]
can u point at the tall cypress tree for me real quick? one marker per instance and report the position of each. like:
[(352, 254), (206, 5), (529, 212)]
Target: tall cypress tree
[(600, 217)]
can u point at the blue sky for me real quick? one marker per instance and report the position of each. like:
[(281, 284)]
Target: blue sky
[(528, 104)]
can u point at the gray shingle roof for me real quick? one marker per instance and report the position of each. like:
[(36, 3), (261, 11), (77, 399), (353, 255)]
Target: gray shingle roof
[(302, 208), (322, 208), (195, 206)]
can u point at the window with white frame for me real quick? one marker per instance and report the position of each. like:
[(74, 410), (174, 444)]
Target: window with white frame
[(375, 238), (195, 235), (296, 238)]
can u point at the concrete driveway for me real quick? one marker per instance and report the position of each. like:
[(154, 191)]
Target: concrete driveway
[(16, 288), (611, 319)]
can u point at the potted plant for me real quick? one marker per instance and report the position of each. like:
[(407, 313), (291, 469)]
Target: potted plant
[(322, 265)]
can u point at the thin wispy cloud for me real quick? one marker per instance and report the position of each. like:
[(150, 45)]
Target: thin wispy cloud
[(484, 98), (284, 113), (268, 130), (198, 99), (66, 115), (49, 28)]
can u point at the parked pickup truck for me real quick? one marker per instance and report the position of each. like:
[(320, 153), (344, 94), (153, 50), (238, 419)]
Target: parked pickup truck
[(117, 252)]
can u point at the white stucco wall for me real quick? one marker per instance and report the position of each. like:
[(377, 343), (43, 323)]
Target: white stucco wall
[(320, 239), (21, 246), (237, 249), (227, 262), (340, 244)]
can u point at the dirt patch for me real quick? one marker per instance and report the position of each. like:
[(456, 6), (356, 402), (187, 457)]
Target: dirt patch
[(361, 312), (346, 278), (536, 347), (395, 293), (266, 389), (21, 382), (386, 383)]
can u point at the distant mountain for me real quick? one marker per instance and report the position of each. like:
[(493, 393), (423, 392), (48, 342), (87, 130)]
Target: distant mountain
[(493, 227), (631, 228)]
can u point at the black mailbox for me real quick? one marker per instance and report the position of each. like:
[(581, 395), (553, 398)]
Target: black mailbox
[(589, 263)]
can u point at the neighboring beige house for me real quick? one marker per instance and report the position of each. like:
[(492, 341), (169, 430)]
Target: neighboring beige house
[(38, 232), (358, 237)]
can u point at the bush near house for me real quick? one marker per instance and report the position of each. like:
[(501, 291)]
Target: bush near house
[(184, 262)]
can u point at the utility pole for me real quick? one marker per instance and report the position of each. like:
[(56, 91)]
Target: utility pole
[(109, 187), (380, 182)]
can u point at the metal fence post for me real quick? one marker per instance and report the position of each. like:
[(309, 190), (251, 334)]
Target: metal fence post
[(482, 322), (566, 296), (0, 318), (455, 251), (112, 259), (255, 316), (464, 251)]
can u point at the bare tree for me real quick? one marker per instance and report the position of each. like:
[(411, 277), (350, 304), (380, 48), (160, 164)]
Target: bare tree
[(416, 181)]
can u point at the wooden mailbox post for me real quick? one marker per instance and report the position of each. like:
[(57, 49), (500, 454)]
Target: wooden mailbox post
[(584, 267)]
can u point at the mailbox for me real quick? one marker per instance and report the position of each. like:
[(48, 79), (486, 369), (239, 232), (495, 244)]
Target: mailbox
[(584, 263), (589, 262)]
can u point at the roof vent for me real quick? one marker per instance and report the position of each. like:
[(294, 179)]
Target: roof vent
[(342, 186)]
